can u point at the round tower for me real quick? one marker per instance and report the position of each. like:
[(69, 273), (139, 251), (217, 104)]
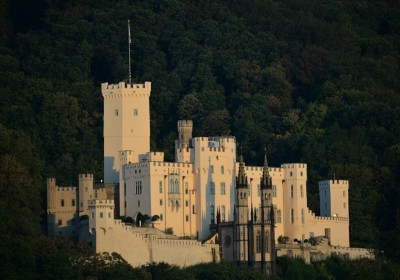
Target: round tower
[(101, 215), (185, 129)]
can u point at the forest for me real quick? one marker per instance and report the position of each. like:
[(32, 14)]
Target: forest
[(312, 81)]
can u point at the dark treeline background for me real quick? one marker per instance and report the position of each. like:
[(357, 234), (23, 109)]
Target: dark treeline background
[(313, 81)]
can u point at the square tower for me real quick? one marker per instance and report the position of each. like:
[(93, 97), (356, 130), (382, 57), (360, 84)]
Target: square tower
[(334, 198), (126, 124)]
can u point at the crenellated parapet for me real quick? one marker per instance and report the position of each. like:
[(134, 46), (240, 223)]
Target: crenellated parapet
[(125, 89), (101, 203), (85, 176), (185, 123)]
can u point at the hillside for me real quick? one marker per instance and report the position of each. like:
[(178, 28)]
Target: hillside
[(313, 81)]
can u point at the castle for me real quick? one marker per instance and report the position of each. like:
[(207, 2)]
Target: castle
[(204, 195)]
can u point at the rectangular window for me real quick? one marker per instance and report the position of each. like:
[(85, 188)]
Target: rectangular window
[(138, 203), (160, 187), (186, 188), (344, 193), (212, 188), (187, 218), (60, 222), (273, 190), (116, 112), (109, 214), (62, 202), (302, 216), (291, 191), (278, 216), (292, 215), (161, 217), (222, 169), (160, 202), (301, 190), (223, 188), (92, 215), (223, 213), (138, 187), (101, 215), (73, 202), (344, 205), (135, 112), (291, 174), (193, 209), (186, 203)]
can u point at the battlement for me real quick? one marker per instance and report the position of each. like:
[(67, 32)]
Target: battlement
[(185, 123), (260, 168), (293, 165), (123, 85), (51, 180), (221, 138), (127, 90), (325, 218), (97, 202), (85, 176), (173, 164), (331, 218), (333, 182)]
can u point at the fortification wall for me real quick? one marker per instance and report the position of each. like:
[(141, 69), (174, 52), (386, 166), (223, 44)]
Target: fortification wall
[(139, 247)]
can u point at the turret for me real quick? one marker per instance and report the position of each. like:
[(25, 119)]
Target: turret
[(266, 208), (242, 202), (51, 194), (101, 215), (185, 128), (266, 185), (85, 192)]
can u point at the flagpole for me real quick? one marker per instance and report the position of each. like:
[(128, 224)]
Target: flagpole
[(129, 51)]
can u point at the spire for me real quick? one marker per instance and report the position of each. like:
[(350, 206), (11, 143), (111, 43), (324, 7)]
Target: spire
[(241, 179), (266, 181)]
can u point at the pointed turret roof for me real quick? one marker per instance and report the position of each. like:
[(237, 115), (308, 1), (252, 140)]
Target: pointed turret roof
[(266, 180), (241, 179)]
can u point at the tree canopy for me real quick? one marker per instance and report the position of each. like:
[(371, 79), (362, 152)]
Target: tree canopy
[(313, 81)]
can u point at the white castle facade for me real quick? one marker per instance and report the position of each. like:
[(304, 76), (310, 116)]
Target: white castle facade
[(186, 194)]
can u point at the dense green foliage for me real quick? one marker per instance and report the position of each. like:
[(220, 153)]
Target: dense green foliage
[(313, 81)]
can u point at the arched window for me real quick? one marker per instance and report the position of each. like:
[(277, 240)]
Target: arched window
[(258, 242), (266, 241), (176, 186), (171, 186), (160, 187)]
